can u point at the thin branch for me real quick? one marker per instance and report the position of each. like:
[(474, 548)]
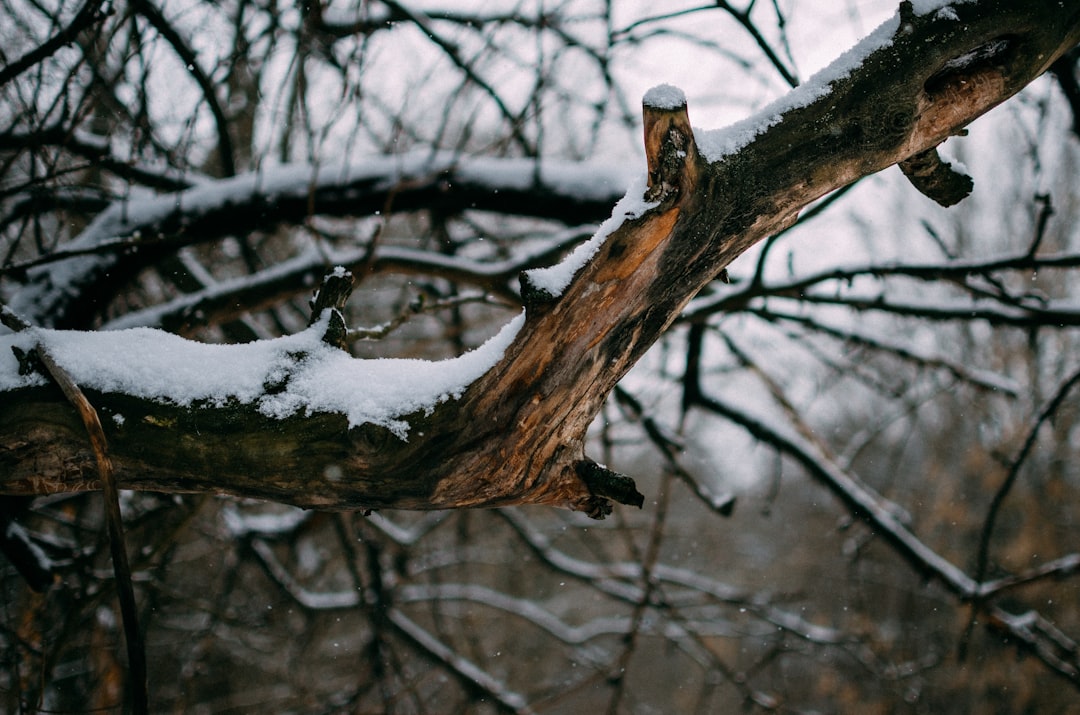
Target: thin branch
[(190, 59), (95, 150), (423, 23), (669, 445), (1046, 210), (953, 271), (90, 14), (419, 306), (983, 554), (743, 18), (1035, 633), (113, 518), (813, 212), (229, 299), (862, 501), (1058, 568), (981, 379), (1057, 316), (468, 673), (649, 586), (1064, 69)]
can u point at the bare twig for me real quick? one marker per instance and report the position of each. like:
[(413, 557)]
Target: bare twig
[(113, 518), (1035, 633), (90, 14), (722, 503), (969, 374), (227, 155), (467, 672), (952, 271), (1051, 407), (743, 18)]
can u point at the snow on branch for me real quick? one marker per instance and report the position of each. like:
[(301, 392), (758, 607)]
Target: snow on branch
[(507, 423), (112, 245), (299, 373), (222, 300)]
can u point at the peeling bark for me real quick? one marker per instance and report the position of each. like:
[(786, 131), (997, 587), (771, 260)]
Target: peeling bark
[(516, 436)]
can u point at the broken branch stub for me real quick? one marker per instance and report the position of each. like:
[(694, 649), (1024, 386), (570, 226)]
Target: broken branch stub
[(670, 150), (335, 290), (517, 433), (936, 178)]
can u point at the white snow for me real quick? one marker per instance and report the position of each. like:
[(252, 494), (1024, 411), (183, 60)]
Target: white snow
[(49, 284), (664, 96), (942, 8), (554, 279), (955, 164), (156, 365), (716, 144), (16, 532), (281, 520)]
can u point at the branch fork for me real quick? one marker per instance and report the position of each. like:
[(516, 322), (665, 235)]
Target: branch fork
[(516, 435)]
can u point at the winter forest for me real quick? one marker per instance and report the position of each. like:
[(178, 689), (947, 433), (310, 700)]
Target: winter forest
[(539, 356)]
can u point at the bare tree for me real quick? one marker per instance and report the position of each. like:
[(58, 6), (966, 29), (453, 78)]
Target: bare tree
[(459, 218)]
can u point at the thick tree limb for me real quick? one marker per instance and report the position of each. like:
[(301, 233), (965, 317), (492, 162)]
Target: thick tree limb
[(516, 435)]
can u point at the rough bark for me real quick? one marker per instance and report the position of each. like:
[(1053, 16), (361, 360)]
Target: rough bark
[(516, 436)]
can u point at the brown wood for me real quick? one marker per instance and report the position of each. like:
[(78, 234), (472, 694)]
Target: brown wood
[(516, 436)]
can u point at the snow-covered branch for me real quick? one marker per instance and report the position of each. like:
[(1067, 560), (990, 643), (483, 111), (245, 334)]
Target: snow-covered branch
[(132, 232), (299, 421)]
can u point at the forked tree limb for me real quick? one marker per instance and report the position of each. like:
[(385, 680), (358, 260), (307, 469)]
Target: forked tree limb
[(516, 435)]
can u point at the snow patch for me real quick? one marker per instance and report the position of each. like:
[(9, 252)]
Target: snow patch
[(281, 520), (946, 13), (309, 375), (716, 144), (554, 279), (955, 164), (664, 96), (50, 286), (942, 8)]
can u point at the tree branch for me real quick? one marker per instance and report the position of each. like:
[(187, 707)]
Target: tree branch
[(114, 525), (122, 241), (226, 154), (89, 14), (113, 519), (516, 434)]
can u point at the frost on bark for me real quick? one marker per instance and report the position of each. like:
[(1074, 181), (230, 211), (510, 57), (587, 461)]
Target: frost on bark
[(517, 434)]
